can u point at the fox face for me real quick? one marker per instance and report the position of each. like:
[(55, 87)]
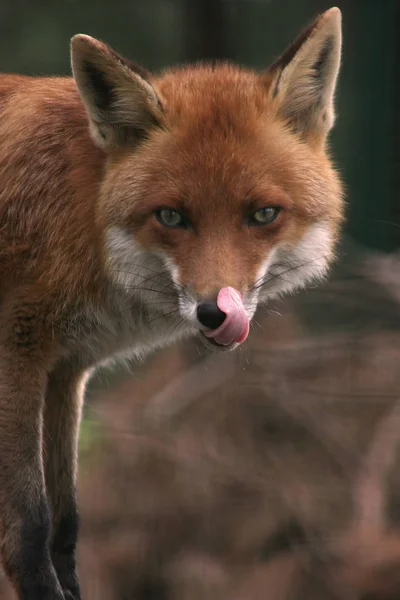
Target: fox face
[(218, 191)]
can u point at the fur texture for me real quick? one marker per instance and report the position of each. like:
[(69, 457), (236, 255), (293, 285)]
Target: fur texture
[(87, 270)]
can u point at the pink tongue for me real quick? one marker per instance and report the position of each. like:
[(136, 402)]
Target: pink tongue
[(235, 327)]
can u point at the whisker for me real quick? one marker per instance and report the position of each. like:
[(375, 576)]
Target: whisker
[(150, 278), (164, 275), (163, 315), (154, 291), (262, 278), (175, 326), (268, 278)]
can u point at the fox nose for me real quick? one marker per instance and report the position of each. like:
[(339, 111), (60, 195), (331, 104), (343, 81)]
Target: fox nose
[(210, 315)]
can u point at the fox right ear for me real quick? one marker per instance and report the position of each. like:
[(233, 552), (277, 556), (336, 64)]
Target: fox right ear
[(303, 80), (120, 100)]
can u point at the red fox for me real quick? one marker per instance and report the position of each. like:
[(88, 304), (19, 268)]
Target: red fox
[(135, 210)]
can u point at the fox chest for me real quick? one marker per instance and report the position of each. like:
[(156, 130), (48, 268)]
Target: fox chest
[(93, 337)]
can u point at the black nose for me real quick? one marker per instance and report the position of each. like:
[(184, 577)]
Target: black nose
[(210, 315)]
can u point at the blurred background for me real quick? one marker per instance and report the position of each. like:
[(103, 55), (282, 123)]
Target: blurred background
[(272, 473)]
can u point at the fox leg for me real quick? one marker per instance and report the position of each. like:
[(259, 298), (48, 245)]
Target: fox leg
[(25, 523), (62, 414)]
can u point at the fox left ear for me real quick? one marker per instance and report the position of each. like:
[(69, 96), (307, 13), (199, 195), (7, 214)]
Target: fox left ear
[(303, 80)]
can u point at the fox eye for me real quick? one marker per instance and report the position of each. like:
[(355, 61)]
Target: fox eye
[(171, 218), (263, 216)]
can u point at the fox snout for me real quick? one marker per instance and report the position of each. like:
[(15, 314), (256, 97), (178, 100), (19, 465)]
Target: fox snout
[(210, 315), (225, 319)]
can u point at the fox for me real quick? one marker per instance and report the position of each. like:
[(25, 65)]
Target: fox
[(138, 209)]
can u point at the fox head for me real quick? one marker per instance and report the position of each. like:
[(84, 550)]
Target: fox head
[(218, 192)]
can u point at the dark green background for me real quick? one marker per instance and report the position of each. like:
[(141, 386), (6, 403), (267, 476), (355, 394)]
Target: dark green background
[(34, 39)]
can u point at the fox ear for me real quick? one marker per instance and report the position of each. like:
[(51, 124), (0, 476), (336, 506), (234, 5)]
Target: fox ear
[(121, 103), (303, 80)]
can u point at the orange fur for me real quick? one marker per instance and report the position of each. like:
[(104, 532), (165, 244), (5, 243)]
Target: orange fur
[(88, 271)]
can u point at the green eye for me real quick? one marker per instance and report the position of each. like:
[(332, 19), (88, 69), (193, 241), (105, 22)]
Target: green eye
[(171, 218), (263, 216)]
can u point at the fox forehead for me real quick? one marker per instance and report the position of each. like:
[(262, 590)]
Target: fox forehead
[(222, 96), (217, 118), (224, 177), (222, 146)]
